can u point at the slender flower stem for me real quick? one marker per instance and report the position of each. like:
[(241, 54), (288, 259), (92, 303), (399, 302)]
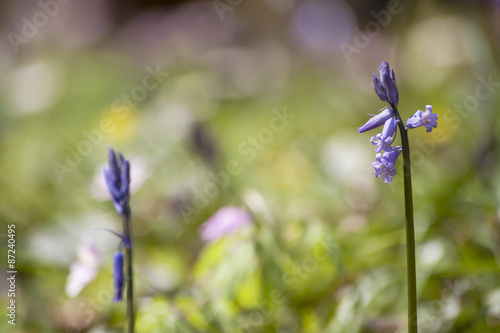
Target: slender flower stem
[(410, 229), (127, 229)]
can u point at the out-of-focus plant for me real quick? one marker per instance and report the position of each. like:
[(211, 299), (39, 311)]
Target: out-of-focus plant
[(117, 178)]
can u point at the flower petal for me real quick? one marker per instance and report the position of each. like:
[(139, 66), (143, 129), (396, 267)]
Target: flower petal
[(377, 120), (125, 179), (379, 88), (389, 128), (390, 88), (108, 177), (114, 170)]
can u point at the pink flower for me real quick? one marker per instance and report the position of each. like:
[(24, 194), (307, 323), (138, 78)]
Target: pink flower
[(84, 270), (225, 221)]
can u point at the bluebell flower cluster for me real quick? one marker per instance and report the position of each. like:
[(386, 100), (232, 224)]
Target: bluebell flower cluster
[(386, 154), (117, 177)]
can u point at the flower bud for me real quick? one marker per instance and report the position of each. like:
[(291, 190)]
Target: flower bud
[(377, 120), (118, 275)]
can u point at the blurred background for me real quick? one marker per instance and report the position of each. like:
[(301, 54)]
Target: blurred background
[(254, 205)]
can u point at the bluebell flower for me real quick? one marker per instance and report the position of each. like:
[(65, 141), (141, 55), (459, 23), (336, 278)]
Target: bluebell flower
[(385, 84), (117, 178), (383, 140), (384, 164), (118, 275), (426, 119), (377, 120)]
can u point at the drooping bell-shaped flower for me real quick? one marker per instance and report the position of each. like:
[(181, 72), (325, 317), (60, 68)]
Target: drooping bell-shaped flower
[(384, 164), (426, 119)]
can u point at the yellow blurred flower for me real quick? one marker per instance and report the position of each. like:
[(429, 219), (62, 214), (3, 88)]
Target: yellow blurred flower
[(124, 123)]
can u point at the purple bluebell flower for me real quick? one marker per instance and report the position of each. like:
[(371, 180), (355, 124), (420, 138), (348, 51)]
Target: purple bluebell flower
[(118, 275), (225, 221), (384, 164), (391, 155), (385, 84), (383, 140), (426, 119), (117, 178), (377, 120)]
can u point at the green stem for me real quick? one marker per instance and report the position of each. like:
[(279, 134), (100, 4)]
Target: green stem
[(127, 229), (410, 229)]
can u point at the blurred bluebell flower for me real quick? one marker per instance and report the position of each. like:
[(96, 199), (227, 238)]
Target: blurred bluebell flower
[(384, 164), (385, 84), (383, 140), (225, 221), (118, 275), (426, 119), (377, 120), (117, 178)]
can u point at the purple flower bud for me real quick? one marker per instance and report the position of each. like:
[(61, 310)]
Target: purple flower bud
[(389, 128), (390, 88), (379, 88), (383, 68), (118, 275), (377, 120), (426, 119), (108, 177), (117, 178), (385, 84)]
